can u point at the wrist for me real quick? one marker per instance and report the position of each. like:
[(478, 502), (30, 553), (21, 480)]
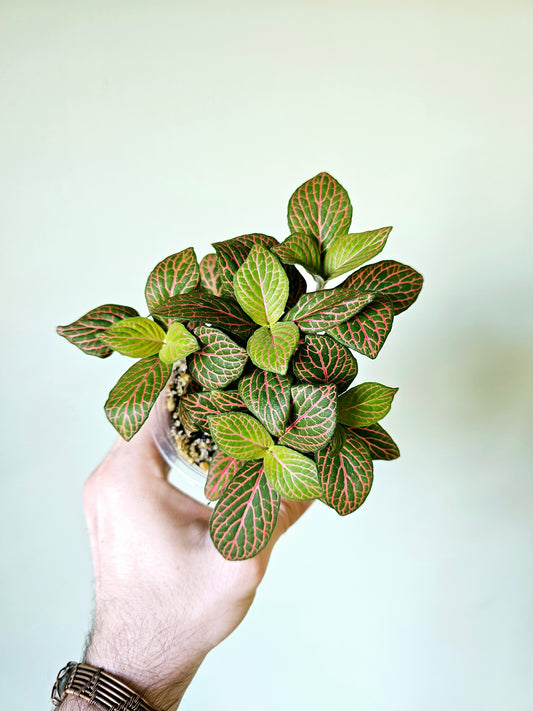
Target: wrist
[(160, 685)]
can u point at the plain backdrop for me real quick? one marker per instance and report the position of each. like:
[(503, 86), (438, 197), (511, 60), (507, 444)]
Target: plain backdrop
[(131, 130)]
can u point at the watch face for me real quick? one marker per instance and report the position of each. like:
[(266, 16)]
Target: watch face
[(61, 683)]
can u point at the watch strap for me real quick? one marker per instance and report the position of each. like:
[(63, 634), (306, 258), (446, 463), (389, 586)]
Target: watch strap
[(97, 687)]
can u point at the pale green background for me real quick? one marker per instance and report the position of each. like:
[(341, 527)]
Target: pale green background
[(130, 130)]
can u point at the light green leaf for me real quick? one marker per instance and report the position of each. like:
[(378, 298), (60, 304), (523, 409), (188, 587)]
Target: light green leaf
[(239, 435), (348, 252), (300, 249), (136, 337), (262, 286), (272, 348), (178, 344), (293, 475), (365, 404)]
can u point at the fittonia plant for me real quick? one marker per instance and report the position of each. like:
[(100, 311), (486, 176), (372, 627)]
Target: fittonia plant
[(270, 363)]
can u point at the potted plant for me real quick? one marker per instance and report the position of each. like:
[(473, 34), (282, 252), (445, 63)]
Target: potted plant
[(264, 366)]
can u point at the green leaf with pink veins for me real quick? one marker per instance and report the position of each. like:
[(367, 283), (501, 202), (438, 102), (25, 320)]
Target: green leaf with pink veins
[(245, 516), (268, 397), (365, 404), (271, 347), (85, 332), (178, 344), (320, 207), (130, 401), (177, 274), (300, 249), (347, 252), (136, 337), (240, 435), (314, 417), (220, 360), (261, 286), (346, 475), (292, 474)]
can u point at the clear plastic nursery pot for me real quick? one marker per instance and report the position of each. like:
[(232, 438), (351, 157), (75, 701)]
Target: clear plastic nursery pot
[(186, 477)]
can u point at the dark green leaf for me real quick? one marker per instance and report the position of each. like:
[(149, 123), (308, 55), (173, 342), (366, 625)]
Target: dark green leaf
[(367, 331), (346, 476), (297, 285), (216, 310), (240, 435), (348, 252), (300, 249), (201, 405), (271, 348), (210, 277), (245, 517), (268, 397), (177, 274), (320, 207), (232, 252), (292, 475), (321, 360), (220, 362), (322, 310), (314, 416), (379, 442), (85, 332), (222, 470), (365, 404), (400, 283), (132, 398)]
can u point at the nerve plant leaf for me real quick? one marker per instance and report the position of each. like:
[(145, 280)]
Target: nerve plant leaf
[(365, 404), (320, 207), (210, 276), (240, 435), (261, 286), (219, 362), (348, 252), (402, 284), (222, 470), (179, 343), (232, 253), (271, 347), (367, 331), (300, 249), (379, 442), (200, 406), (346, 476), (314, 416), (136, 337), (322, 310), (132, 398), (268, 397), (245, 517), (297, 285), (292, 474), (321, 360), (177, 274), (85, 332), (216, 310)]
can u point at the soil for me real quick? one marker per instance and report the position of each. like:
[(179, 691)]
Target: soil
[(196, 447)]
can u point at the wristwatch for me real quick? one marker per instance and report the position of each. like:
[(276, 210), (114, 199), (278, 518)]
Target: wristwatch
[(97, 687)]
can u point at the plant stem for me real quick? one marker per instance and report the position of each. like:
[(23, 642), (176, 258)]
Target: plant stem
[(320, 282)]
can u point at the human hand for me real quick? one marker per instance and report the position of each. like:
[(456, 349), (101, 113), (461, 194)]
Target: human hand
[(164, 596)]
